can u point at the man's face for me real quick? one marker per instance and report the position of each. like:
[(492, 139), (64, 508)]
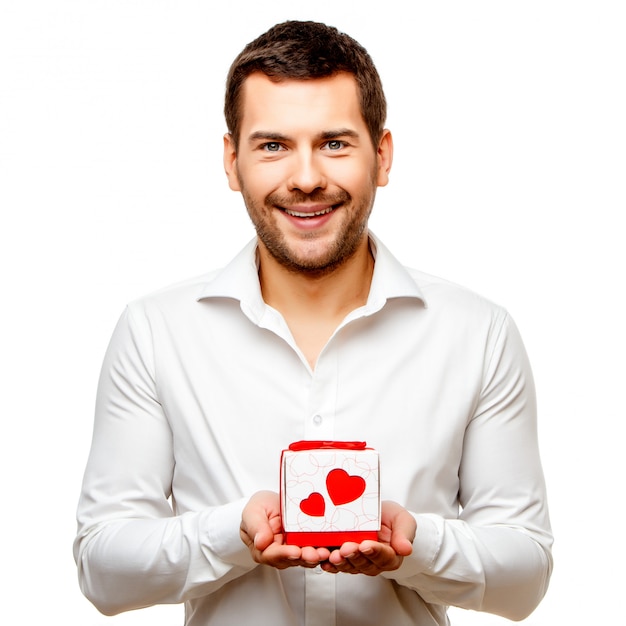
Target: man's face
[(307, 169)]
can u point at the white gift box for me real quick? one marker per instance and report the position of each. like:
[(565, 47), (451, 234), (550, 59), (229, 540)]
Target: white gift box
[(330, 493)]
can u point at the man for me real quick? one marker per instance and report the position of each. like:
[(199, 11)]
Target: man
[(314, 331)]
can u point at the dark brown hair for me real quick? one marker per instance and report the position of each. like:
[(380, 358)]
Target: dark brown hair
[(303, 51)]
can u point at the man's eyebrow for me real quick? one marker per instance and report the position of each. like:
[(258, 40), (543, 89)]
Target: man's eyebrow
[(266, 135), (339, 132)]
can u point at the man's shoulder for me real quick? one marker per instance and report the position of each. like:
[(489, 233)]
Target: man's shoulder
[(399, 279), (440, 293), (179, 293)]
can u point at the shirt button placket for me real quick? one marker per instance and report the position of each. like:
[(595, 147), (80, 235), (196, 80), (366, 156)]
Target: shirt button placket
[(319, 609), (320, 425), (322, 399)]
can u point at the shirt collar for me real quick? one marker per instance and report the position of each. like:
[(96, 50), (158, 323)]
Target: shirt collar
[(240, 280), (390, 280)]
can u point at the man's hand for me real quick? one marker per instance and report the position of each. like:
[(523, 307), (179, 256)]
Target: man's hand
[(261, 531), (395, 541)]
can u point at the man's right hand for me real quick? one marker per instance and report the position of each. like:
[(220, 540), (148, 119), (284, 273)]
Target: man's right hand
[(261, 531)]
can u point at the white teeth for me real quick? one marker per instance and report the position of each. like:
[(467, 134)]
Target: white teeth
[(315, 214)]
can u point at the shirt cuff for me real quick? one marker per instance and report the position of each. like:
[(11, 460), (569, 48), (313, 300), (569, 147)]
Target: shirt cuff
[(221, 534), (426, 546)]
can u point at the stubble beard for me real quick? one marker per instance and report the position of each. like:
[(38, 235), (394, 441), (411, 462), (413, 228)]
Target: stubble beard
[(340, 250)]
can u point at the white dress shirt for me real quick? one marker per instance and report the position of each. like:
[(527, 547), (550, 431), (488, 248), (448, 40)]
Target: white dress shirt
[(203, 386)]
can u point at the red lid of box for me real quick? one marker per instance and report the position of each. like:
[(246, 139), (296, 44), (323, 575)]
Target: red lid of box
[(316, 445)]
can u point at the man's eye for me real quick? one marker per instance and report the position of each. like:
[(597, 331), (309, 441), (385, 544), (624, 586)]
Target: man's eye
[(272, 146), (335, 144)]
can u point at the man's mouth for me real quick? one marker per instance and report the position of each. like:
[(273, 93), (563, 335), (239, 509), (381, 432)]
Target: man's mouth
[(308, 214)]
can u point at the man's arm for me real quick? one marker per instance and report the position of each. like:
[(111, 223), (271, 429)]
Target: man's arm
[(496, 556), (131, 550)]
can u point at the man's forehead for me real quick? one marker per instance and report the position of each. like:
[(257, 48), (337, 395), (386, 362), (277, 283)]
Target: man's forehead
[(281, 102)]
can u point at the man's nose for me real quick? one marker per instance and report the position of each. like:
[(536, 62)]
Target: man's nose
[(306, 174)]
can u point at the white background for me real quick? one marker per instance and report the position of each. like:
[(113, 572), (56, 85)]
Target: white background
[(509, 177)]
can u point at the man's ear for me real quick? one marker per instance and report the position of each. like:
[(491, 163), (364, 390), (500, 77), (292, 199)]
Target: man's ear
[(230, 162), (385, 158)]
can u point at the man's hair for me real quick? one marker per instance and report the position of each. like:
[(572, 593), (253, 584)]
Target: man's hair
[(297, 50)]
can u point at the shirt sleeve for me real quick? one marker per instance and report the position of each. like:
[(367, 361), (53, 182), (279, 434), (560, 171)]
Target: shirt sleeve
[(496, 556), (131, 550)]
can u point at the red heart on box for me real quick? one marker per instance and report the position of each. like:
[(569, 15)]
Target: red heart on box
[(314, 505), (343, 488)]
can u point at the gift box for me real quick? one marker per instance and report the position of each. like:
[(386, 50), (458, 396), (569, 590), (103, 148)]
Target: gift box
[(330, 493)]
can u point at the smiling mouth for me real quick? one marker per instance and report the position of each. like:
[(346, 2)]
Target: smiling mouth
[(311, 214)]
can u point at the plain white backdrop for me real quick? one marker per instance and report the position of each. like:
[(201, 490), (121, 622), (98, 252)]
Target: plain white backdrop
[(509, 177)]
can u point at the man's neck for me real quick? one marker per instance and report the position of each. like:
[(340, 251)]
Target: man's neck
[(313, 306), (328, 294)]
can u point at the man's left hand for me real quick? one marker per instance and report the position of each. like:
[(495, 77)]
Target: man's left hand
[(369, 557)]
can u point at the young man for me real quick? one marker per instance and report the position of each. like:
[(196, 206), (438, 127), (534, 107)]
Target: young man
[(313, 332)]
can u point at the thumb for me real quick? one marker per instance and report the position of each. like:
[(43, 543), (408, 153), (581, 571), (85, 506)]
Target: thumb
[(403, 529), (255, 520)]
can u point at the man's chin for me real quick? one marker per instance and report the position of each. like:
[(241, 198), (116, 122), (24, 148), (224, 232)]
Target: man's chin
[(315, 256), (309, 267), (312, 265)]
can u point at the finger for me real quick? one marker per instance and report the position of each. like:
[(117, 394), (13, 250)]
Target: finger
[(402, 525), (356, 565), (339, 556), (402, 535), (279, 556), (380, 556), (256, 520), (314, 556), (256, 534)]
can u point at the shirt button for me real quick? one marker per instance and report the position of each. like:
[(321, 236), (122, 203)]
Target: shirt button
[(317, 420)]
